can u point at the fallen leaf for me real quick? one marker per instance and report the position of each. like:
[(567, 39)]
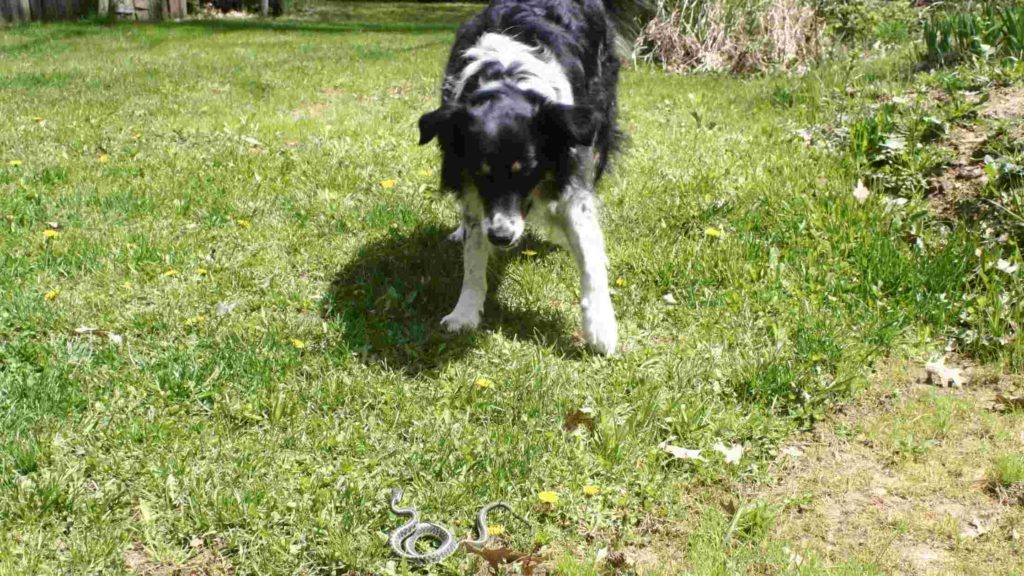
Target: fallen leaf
[(388, 184), (115, 338), (48, 234), (732, 454), (792, 452), (974, 529), (1006, 266), (795, 559), (485, 383), (1010, 402), (680, 452), (225, 308), (946, 375), (591, 490), (669, 299), (579, 417), (495, 557), (548, 497), (861, 192), (51, 295), (251, 141)]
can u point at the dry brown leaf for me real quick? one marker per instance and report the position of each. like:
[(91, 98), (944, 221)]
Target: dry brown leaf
[(1010, 402), (579, 417)]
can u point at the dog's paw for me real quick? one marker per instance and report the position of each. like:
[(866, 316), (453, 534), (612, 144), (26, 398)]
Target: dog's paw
[(599, 326), (461, 321), (459, 236)]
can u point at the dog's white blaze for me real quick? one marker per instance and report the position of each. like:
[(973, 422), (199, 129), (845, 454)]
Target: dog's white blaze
[(537, 69)]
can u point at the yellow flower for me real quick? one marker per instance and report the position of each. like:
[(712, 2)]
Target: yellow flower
[(14, 163), (496, 530), (243, 223), (591, 490), (195, 320), (484, 383), (171, 273), (298, 344), (529, 252), (127, 285), (202, 271), (50, 234), (426, 173), (389, 183), (620, 281), (103, 159), (548, 497), (713, 232), (51, 295)]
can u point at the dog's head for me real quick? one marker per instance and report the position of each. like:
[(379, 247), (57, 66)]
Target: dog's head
[(503, 141)]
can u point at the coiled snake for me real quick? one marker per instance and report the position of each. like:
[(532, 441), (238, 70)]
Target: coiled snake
[(404, 538)]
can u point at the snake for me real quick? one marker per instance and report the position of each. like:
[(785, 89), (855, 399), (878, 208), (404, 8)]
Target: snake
[(404, 538)]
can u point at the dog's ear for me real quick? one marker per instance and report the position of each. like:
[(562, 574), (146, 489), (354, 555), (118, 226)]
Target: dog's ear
[(438, 123), (574, 125)]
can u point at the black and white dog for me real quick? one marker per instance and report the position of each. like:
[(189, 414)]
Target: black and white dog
[(526, 127)]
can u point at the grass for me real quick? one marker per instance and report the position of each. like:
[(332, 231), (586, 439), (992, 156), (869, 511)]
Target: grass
[(1008, 470), (219, 195)]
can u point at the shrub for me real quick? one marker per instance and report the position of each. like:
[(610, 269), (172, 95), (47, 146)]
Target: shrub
[(731, 35)]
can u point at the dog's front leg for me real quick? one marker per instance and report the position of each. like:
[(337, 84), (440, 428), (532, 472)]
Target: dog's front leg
[(475, 251), (578, 209)]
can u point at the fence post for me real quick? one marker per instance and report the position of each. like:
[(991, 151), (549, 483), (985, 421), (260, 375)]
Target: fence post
[(264, 8)]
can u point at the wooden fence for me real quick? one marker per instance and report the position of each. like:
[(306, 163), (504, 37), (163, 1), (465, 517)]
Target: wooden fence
[(28, 10)]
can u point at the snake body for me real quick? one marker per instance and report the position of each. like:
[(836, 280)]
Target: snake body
[(404, 538)]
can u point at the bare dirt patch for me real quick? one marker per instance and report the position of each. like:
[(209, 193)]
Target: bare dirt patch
[(898, 481), (1005, 103), (204, 561), (952, 193)]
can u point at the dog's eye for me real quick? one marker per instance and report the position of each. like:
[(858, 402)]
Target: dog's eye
[(516, 167)]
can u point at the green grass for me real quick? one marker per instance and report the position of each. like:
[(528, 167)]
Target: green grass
[(195, 167), (1008, 470)]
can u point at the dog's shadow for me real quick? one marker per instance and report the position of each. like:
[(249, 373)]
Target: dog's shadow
[(388, 302)]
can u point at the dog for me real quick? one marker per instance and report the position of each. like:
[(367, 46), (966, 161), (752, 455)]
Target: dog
[(526, 128)]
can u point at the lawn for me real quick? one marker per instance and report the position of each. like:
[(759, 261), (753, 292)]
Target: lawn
[(223, 266)]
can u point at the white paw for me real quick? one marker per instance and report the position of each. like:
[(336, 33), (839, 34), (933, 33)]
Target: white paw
[(460, 320), (599, 326), (459, 235)]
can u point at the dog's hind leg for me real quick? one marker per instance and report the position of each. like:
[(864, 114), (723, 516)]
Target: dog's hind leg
[(475, 252), (578, 211)]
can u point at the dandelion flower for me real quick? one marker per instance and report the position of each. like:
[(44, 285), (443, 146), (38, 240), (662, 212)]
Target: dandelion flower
[(548, 497)]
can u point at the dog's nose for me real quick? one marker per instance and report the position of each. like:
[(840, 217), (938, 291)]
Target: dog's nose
[(501, 238)]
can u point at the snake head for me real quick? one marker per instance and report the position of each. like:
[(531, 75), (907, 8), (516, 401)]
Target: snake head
[(396, 496)]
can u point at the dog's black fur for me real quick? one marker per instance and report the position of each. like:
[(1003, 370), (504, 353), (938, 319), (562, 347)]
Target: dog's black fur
[(505, 125), (526, 126)]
